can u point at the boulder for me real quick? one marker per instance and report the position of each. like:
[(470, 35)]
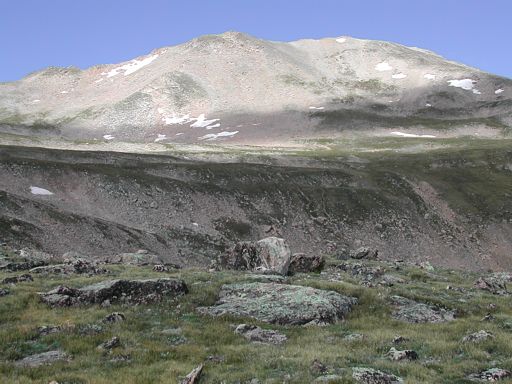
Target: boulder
[(493, 374), (495, 284), (271, 254), (364, 253), (300, 262), (413, 312), (115, 317), (396, 355), (281, 304), (258, 335), (478, 337), (373, 376), (4, 292), (116, 291), (45, 358), (46, 330), (194, 376)]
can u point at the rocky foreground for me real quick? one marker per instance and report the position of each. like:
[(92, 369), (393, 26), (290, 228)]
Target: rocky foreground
[(259, 314)]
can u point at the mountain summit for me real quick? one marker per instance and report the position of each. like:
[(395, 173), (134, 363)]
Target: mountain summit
[(237, 88)]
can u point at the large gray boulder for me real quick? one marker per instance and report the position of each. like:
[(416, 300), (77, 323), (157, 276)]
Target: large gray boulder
[(303, 263), (271, 254), (116, 291), (45, 358), (281, 304)]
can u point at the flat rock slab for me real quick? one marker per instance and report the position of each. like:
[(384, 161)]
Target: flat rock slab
[(45, 358), (116, 291), (281, 304), (414, 312)]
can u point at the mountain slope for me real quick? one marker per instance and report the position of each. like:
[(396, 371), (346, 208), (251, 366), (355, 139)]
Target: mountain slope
[(236, 88)]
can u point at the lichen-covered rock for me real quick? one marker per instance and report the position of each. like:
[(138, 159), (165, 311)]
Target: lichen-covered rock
[(116, 291), (281, 304), (45, 358), (258, 335), (270, 254), (478, 337), (493, 374), (373, 376), (495, 283), (413, 312), (396, 355), (300, 262)]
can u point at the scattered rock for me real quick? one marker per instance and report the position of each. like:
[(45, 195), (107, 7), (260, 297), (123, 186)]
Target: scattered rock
[(194, 376), (256, 334), (267, 278), (281, 304), (139, 258), (78, 266), (414, 312), (354, 337), (17, 279), (364, 253), (361, 271), (115, 317), (399, 340), (4, 292), (300, 262), (45, 358), (45, 330), (426, 266), (391, 280), (373, 376), (114, 342), (269, 254), (477, 337), (318, 367), (493, 374), (217, 359), (488, 317), (116, 291), (396, 355), (160, 268)]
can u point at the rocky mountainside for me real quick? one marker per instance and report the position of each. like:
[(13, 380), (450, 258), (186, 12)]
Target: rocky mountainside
[(236, 88)]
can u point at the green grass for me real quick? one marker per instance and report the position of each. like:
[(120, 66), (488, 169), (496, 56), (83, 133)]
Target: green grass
[(158, 356)]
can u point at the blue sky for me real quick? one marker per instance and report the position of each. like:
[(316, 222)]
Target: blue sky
[(35, 34)]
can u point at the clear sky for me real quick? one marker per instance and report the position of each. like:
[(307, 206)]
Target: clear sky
[(38, 33)]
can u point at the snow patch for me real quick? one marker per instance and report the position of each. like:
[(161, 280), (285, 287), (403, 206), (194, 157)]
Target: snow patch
[(317, 108), (399, 76), (213, 126), (64, 92), (202, 122), (160, 138), (384, 66), (179, 134), (213, 136), (429, 76), (341, 40), (132, 66), (428, 105), (177, 119), (498, 91), (467, 84), (99, 81), (108, 137), (403, 134), (36, 101), (40, 191), (477, 92)]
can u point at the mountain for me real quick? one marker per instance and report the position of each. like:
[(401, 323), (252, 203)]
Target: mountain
[(239, 89)]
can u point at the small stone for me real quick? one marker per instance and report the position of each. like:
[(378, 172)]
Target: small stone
[(114, 317), (194, 376), (478, 337), (110, 344), (318, 367), (258, 335), (399, 340), (397, 355)]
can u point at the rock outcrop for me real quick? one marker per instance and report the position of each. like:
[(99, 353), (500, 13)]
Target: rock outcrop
[(281, 304), (300, 262), (271, 254), (116, 291), (45, 358)]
